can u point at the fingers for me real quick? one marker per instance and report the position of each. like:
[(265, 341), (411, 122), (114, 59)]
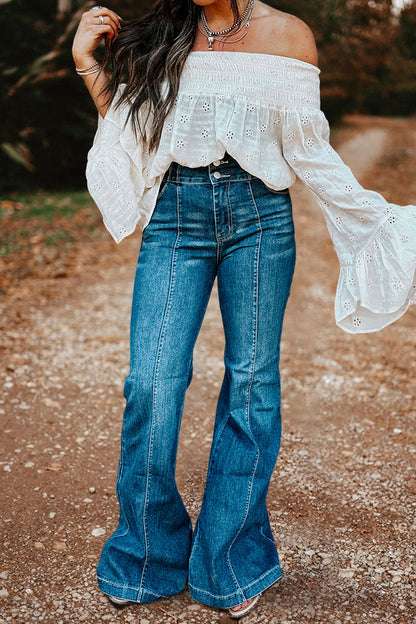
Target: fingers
[(106, 21), (103, 30), (109, 18), (102, 11), (106, 11), (112, 26)]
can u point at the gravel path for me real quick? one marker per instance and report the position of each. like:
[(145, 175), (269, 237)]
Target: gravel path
[(342, 498)]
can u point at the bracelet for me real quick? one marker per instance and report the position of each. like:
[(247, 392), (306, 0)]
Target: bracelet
[(78, 70), (94, 71)]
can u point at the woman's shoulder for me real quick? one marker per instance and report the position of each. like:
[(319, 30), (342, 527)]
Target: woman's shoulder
[(288, 35)]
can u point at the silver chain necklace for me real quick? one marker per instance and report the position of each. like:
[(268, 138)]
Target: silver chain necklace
[(211, 35)]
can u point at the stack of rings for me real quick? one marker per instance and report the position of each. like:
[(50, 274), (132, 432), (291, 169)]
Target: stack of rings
[(100, 17)]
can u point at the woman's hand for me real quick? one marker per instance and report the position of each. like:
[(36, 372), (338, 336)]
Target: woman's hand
[(87, 38), (91, 31)]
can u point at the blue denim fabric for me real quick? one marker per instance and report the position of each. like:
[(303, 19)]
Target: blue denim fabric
[(214, 221)]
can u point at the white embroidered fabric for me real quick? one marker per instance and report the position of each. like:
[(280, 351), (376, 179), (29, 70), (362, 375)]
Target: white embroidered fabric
[(264, 110)]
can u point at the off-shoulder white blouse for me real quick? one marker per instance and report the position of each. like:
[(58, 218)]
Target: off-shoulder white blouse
[(264, 110)]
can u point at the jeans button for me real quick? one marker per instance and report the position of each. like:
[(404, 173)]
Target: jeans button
[(216, 162), (217, 174)]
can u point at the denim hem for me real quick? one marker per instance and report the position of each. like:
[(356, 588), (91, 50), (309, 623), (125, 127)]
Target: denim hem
[(244, 593), (127, 592)]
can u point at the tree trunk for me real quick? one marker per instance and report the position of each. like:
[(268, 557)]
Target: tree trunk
[(64, 7)]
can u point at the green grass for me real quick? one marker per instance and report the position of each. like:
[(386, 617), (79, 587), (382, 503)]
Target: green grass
[(29, 218), (45, 205), (6, 248), (58, 237), (11, 242)]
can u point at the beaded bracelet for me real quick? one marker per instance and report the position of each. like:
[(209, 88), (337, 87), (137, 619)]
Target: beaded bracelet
[(86, 69), (94, 71)]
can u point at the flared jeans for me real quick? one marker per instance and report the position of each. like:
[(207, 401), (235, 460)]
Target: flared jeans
[(216, 221)]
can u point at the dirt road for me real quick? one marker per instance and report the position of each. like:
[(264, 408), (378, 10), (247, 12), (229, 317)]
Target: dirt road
[(342, 499)]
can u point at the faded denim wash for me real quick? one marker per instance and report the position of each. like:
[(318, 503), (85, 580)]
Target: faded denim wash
[(216, 221)]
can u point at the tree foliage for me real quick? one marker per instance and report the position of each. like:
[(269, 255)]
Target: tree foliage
[(366, 55)]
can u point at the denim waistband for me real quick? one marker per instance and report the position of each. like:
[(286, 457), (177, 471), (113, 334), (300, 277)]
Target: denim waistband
[(222, 170)]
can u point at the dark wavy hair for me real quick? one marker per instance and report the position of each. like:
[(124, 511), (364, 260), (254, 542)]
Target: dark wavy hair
[(148, 51)]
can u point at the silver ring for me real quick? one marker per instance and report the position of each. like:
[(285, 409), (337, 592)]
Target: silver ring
[(100, 17), (96, 8)]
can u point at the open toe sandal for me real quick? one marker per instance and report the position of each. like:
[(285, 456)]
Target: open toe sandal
[(243, 610), (119, 602)]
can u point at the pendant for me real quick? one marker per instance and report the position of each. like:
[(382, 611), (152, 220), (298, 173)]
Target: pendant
[(210, 42)]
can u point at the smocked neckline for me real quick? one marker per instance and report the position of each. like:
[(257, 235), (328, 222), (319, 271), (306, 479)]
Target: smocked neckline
[(259, 54)]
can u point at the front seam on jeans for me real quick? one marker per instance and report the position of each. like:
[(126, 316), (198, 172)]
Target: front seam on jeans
[(159, 348), (255, 331), (230, 212), (118, 481)]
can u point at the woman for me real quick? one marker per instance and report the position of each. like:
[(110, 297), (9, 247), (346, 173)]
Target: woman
[(199, 146)]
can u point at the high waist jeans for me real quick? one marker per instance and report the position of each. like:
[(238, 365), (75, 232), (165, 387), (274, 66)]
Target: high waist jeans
[(213, 221)]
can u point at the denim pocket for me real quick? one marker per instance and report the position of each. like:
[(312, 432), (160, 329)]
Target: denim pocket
[(268, 536), (162, 187), (262, 187), (277, 192)]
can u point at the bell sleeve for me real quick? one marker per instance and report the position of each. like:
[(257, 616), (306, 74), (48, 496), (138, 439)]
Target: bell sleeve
[(114, 172), (375, 240)]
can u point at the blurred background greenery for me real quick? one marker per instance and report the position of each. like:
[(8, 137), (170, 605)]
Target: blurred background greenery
[(367, 54)]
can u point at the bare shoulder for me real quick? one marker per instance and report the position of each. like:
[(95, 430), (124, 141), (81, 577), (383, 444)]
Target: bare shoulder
[(300, 40), (288, 35)]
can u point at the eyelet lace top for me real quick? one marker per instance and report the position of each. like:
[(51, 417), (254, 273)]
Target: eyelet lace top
[(264, 110)]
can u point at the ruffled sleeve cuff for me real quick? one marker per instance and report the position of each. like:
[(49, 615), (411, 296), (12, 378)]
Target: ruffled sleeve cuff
[(114, 172), (375, 240), (380, 285)]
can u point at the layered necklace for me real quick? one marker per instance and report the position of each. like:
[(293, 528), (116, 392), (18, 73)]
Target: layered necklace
[(243, 22)]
